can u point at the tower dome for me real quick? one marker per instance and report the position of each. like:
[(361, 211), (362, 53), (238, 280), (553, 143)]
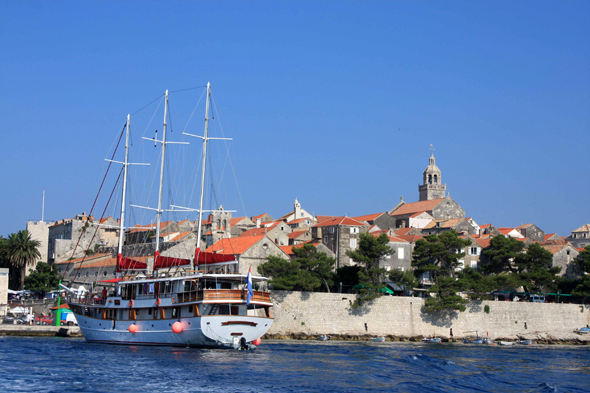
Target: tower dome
[(432, 187)]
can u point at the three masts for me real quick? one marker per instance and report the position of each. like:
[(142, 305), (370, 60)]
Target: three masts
[(183, 302)]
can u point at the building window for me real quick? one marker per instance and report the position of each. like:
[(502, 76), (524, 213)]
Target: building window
[(388, 268), (331, 230), (473, 250), (95, 274), (353, 243), (325, 239), (354, 230), (401, 268), (400, 253), (87, 274), (104, 273), (474, 264)]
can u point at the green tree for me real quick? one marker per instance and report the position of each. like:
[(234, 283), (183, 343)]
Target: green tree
[(283, 274), (438, 255), (583, 260), (501, 253), (19, 251), (369, 253), (317, 263), (44, 278), (446, 298), (583, 287), (403, 279), (535, 271)]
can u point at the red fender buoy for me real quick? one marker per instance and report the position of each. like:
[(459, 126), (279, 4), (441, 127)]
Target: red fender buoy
[(177, 327), (257, 341), (132, 328)]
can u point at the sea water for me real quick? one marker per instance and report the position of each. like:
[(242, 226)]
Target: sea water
[(46, 364)]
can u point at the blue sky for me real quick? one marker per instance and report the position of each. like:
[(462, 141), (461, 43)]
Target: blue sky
[(335, 103)]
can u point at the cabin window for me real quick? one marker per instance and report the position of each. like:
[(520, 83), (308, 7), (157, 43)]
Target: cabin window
[(187, 286), (167, 288), (175, 312), (149, 311), (235, 310), (224, 309), (190, 309)]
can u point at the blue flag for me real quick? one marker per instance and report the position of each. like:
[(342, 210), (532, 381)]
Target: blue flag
[(249, 281)]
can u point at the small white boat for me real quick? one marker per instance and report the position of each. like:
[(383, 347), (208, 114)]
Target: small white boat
[(323, 338), (524, 342), (506, 343), (432, 340), (378, 339)]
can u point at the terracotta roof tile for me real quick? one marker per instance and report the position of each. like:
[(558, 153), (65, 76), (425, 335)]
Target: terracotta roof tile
[(235, 245), (324, 218), (368, 217), (340, 221), (415, 207), (403, 231), (523, 226), (411, 238), (296, 234)]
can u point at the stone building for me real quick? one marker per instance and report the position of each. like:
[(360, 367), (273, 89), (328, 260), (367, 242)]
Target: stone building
[(474, 256), (140, 234), (580, 238), (531, 231), (301, 223), (510, 232), (278, 232), (264, 217), (298, 212), (299, 237), (564, 256), (339, 234), (432, 187), (441, 209), (319, 246), (39, 230), (382, 220), (250, 251), (72, 237), (459, 225), (239, 225), (401, 259)]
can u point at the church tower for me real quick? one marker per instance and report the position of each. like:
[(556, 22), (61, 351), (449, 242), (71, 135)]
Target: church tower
[(432, 187)]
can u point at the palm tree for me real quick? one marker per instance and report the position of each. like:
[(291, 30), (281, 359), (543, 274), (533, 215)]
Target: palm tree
[(19, 250)]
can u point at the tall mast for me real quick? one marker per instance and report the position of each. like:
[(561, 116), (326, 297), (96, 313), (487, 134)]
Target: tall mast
[(43, 208), (205, 140), (123, 197), (161, 177)]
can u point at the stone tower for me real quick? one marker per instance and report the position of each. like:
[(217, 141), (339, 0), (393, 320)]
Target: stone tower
[(297, 209), (432, 187), (220, 227)]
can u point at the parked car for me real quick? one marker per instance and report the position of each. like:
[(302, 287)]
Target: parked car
[(9, 319), (44, 320)]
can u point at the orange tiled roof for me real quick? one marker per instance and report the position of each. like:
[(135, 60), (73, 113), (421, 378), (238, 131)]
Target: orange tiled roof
[(484, 226), (289, 249), (324, 218), (180, 236), (415, 207), (553, 248), (235, 245), (368, 217), (549, 235), (298, 220), (523, 226), (235, 221), (403, 231), (417, 214), (411, 238), (397, 239), (296, 234), (340, 221), (505, 231)]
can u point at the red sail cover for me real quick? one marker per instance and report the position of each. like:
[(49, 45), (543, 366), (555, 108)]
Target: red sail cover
[(124, 263), (203, 258), (161, 262)]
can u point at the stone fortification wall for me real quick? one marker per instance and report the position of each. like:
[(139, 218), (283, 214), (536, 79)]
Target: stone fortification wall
[(325, 313)]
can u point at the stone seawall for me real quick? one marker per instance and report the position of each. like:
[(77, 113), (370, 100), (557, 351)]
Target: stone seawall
[(305, 313)]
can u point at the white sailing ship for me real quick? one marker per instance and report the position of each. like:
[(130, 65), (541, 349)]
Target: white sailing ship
[(177, 302)]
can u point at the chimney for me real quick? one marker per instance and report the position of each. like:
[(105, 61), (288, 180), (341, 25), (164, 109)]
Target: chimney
[(258, 223)]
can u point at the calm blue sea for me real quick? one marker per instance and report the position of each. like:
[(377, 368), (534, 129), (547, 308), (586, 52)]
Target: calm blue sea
[(71, 365)]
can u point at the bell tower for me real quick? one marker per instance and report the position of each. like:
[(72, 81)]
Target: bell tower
[(432, 187)]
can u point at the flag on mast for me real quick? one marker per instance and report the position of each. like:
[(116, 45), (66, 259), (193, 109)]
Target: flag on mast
[(249, 283)]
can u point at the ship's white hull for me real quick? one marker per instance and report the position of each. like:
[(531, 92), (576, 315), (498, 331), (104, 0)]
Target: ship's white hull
[(204, 331)]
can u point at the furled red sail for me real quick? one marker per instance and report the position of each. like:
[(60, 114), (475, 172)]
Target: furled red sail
[(161, 262), (210, 259), (124, 263)]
